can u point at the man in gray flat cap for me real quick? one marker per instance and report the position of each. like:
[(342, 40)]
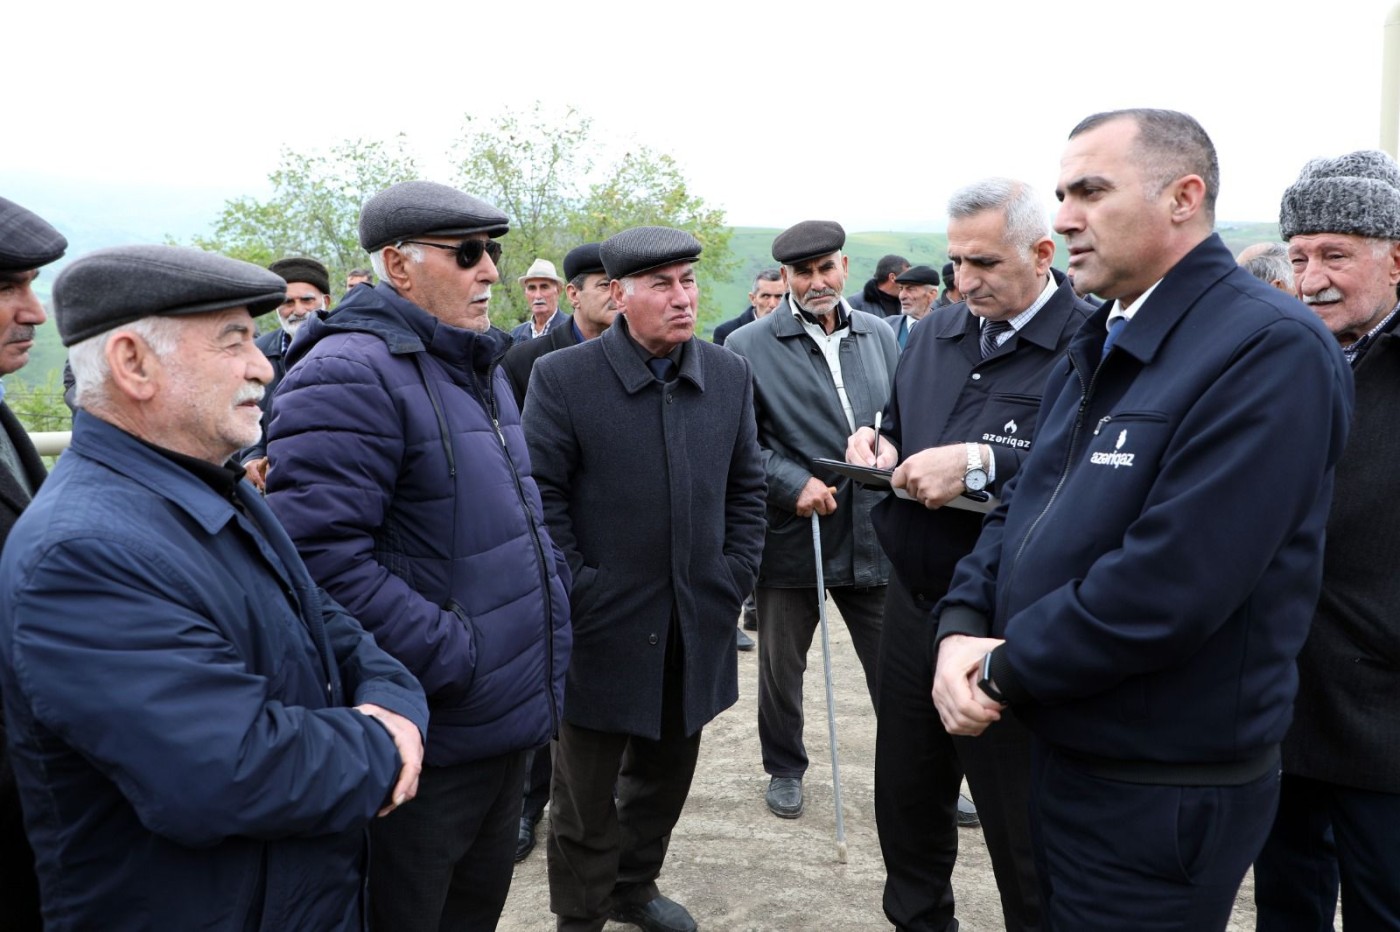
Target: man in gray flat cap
[(308, 293), (820, 370), (918, 289), (1339, 808), (542, 286), (27, 243), (399, 467), (645, 450), (200, 734)]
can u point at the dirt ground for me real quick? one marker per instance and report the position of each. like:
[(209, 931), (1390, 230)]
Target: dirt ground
[(737, 868)]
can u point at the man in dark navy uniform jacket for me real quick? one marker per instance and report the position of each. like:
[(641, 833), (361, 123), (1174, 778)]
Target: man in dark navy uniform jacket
[(965, 399), (1140, 598)]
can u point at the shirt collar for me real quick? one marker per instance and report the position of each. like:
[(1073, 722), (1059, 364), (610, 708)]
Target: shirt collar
[(1127, 313), (1355, 351)]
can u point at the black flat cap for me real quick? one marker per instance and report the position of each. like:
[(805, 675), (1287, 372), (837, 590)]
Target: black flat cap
[(111, 287), (582, 260), (641, 249), (302, 269), (425, 208), (808, 240), (27, 241), (918, 275)]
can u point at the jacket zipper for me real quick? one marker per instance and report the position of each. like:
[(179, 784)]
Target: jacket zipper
[(1086, 390), (490, 396)]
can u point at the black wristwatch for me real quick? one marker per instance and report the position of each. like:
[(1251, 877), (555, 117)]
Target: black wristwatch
[(985, 683)]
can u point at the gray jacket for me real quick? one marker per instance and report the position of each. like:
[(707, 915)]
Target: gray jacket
[(799, 419)]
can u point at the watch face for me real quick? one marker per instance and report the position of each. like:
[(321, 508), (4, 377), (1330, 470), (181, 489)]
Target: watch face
[(975, 480)]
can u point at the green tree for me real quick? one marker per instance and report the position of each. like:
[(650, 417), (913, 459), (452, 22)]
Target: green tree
[(314, 209), (535, 165)]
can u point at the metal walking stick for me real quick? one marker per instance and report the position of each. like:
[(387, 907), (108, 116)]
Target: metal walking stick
[(830, 698)]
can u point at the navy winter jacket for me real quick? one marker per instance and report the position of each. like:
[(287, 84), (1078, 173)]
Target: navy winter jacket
[(398, 466), (1155, 563)]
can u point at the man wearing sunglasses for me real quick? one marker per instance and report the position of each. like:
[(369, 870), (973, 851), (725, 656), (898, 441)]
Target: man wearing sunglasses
[(401, 472)]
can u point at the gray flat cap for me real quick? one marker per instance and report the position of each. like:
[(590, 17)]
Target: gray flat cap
[(1355, 193), (641, 249), (111, 287), (808, 240), (581, 260), (302, 269), (26, 239), (425, 208), (918, 275)]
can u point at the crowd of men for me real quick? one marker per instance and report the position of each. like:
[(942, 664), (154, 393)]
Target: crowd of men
[(306, 629)]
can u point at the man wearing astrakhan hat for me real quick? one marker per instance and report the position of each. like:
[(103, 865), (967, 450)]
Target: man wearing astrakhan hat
[(1339, 804), (27, 242), (821, 370), (399, 468), (645, 450), (200, 735), (542, 286)]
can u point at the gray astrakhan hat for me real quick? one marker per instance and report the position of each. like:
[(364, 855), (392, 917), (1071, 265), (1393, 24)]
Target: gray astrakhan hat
[(808, 240), (582, 260), (1356, 193), (27, 241), (111, 287), (918, 275), (425, 208), (641, 249)]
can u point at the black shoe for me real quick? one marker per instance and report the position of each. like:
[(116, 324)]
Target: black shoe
[(784, 797), (745, 642), (967, 813), (750, 621), (525, 842), (661, 914)]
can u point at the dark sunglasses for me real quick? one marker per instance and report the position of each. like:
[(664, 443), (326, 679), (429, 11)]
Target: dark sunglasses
[(469, 251)]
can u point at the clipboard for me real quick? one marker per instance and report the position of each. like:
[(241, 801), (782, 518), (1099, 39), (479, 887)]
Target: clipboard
[(879, 480)]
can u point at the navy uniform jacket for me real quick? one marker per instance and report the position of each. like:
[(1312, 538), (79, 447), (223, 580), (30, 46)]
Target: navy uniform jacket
[(945, 392), (1156, 561), (178, 692)]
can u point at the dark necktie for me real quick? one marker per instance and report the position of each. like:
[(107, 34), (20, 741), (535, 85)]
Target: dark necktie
[(662, 368), (1114, 329), (991, 331)]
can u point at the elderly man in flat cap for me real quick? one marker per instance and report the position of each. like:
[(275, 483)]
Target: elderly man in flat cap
[(644, 447), (399, 467), (308, 293), (1341, 759), (821, 370), (918, 289), (200, 734), (27, 243), (541, 285)]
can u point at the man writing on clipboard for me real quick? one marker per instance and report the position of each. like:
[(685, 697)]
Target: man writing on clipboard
[(964, 405)]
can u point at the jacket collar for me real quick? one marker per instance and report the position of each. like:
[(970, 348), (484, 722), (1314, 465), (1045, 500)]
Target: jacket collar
[(97, 440), (618, 348), (404, 327), (1183, 285), (787, 325), (955, 321)]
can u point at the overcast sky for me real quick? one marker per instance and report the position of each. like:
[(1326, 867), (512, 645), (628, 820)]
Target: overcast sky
[(869, 113)]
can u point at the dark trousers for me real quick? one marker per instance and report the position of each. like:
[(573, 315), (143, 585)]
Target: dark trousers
[(19, 889), (1297, 875), (603, 851), (918, 773), (789, 620), (539, 770), (444, 861), (1150, 858)]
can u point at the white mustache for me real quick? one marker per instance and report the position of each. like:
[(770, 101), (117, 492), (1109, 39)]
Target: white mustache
[(252, 391), (1325, 296)]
